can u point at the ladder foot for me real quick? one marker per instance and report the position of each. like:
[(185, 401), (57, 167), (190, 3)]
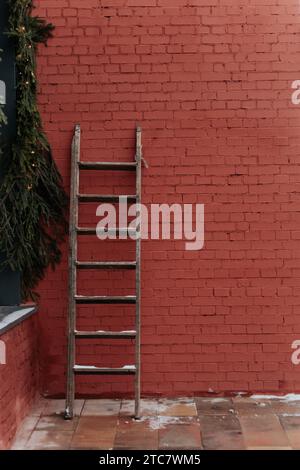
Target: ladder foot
[(67, 414)]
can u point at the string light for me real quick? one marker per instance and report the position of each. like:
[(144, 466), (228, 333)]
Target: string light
[(45, 209)]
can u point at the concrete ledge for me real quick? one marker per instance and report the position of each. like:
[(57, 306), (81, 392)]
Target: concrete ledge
[(11, 316)]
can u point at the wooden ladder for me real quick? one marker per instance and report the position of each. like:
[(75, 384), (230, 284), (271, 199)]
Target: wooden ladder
[(74, 265)]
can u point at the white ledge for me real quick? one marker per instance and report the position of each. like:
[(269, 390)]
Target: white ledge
[(11, 316)]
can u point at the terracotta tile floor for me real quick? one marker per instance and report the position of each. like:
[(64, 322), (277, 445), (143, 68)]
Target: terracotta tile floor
[(184, 423)]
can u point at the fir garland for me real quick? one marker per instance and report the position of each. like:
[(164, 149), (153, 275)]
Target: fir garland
[(33, 202)]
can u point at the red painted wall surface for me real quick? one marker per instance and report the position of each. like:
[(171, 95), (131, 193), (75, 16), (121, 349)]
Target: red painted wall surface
[(210, 82), (18, 378)]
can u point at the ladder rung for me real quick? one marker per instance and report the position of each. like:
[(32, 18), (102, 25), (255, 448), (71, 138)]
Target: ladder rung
[(88, 370), (105, 299), (116, 230), (106, 264), (105, 334), (126, 166), (104, 198)]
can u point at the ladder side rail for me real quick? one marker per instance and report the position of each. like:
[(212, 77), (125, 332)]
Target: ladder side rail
[(69, 411), (138, 272)]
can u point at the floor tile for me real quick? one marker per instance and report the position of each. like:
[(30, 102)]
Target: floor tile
[(148, 407), (133, 434), (213, 406), (248, 406), (263, 431), (291, 425), (39, 406), (177, 407), (182, 435), (57, 407), (222, 432), (25, 432), (95, 432), (102, 407), (49, 440), (56, 423), (285, 407)]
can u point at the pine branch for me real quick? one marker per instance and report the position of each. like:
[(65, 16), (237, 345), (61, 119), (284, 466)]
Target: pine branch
[(33, 202)]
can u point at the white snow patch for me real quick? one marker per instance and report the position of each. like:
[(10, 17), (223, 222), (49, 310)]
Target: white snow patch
[(148, 406), (87, 367), (161, 408), (214, 400), (290, 397), (165, 404), (160, 422), (176, 401)]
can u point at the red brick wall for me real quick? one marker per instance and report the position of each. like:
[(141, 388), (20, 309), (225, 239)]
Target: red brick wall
[(210, 83), (18, 378)]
